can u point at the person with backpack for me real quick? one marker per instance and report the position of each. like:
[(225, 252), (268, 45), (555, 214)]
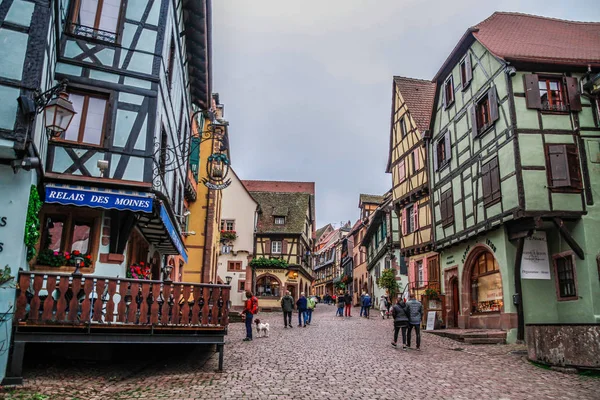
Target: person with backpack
[(362, 308), (310, 307), (340, 306), (348, 304), (415, 315), (287, 305), (250, 309), (301, 305), (400, 315), (366, 303)]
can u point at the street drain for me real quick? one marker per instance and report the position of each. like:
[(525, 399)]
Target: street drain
[(458, 349)]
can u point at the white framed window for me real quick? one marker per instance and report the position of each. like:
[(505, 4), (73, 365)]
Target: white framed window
[(279, 220), (228, 225), (420, 272), (276, 247)]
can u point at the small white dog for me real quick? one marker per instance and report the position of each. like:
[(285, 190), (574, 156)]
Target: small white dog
[(261, 329)]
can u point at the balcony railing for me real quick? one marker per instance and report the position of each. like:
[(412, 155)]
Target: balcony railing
[(76, 300), (419, 287), (92, 33)]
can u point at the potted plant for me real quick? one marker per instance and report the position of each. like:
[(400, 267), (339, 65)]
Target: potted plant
[(139, 271), (228, 235), (59, 259)]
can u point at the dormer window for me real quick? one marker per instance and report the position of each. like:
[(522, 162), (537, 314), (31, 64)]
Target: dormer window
[(279, 220)]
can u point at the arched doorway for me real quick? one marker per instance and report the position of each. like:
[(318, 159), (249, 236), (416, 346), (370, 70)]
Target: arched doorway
[(292, 289), (454, 303), (268, 285)]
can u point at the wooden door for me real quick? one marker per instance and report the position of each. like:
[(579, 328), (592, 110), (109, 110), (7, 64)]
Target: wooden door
[(455, 302)]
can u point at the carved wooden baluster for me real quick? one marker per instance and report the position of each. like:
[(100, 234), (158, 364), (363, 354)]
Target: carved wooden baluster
[(144, 305), (88, 287), (211, 306), (110, 305), (74, 303), (166, 293), (196, 308), (225, 316), (49, 302), (176, 300), (24, 281), (133, 307), (155, 305), (122, 306), (204, 305), (185, 309), (61, 307), (34, 305), (98, 303)]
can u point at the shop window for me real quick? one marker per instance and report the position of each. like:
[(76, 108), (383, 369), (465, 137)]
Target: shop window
[(241, 286), (466, 72), (88, 125), (448, 92), (490, 177), (96, 19), (442, 151), (234, 265), (564, 173), (447, 208), (267, 286), (564, 270), (276, 247), (486, 285), (279, 220)]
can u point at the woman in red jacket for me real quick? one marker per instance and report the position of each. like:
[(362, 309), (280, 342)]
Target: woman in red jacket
[(250, 308)]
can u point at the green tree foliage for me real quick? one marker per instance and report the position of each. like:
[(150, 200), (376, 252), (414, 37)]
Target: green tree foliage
[(32, 223), (268, 263), (388, 281)]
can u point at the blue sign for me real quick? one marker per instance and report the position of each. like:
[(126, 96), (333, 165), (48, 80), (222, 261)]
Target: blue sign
[(173, 233), (99, 198)]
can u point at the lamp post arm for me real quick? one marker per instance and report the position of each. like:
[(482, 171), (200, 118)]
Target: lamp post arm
[(42, 99)]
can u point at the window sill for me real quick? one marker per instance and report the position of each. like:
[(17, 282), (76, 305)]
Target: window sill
[(492, 202), (565, 189), (567, 298), (62, 269)]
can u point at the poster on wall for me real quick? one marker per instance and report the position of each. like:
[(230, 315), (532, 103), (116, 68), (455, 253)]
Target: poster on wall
[(535, 263)]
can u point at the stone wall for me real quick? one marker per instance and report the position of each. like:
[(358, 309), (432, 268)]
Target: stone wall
[(576, 345)]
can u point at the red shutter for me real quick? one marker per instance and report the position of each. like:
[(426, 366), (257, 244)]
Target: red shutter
[(532, 91), (447, 144), (425, 271), (415, 216), (402, 171), (403, 221), (267, 246), (474, 129), (469, 69), (573, 93), (493, 100), (284, 247), (559, 166)]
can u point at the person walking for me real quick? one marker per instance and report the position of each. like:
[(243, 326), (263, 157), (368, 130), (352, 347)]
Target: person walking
[(301, 306), (250, 308), (348, 304), (383, 306), (287, 305), (400, 315), (310, 307), (366, 303), (362, 308), (340, 306), (415, 315)]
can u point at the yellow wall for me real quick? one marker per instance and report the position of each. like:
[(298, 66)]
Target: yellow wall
[(286, 278)]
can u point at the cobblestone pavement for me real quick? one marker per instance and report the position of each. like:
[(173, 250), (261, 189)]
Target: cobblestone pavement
[(341, 358)]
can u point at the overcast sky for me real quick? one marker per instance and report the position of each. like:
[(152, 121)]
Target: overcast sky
[(307, 83)]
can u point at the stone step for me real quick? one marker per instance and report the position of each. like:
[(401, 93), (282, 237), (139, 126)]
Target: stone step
[(473, 335), (484, 340)]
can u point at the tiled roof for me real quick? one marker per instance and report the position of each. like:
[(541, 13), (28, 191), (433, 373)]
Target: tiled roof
[(297, 205), (370, 199), (322, 230), (418, 95), (531, 38), (279, 186)]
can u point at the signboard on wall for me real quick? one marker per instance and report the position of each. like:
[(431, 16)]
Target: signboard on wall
[(535, 263)]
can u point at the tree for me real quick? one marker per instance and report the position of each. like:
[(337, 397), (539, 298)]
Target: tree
[(388, 281)]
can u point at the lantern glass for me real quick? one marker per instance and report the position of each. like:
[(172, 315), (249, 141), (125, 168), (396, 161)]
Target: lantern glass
[(58, 114)]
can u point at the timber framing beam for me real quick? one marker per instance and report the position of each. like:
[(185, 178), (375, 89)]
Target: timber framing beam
[(566, 235)]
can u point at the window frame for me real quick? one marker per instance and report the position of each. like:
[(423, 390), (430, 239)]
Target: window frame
[(273, 243), (465, 66), (572, 161), (272, 279), (225, 225), (83, 117), (420, 273), (447, 218), (232, 265), (74, 10), (403, 130), (476, 274), (449, 82), (563, 107), (241, 286), (410, 226), (281, 219), (565, 255)]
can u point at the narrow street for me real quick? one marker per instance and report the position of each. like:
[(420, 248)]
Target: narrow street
[(343, 358)]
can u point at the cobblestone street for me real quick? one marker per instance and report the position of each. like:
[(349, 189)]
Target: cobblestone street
[(349, 358)]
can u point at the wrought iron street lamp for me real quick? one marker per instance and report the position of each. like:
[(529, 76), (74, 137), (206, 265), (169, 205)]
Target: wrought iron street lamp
[(228, 279), (58, 109)]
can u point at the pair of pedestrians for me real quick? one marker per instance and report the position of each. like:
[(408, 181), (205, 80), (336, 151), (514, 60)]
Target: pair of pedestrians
[(407, 316), (344, 305), (305, 306)]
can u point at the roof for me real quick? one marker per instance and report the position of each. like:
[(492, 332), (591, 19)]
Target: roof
[(418, 94), (322, 230), (531, 38), (370, 199), (197, 23), (280, 186), (297, 205)]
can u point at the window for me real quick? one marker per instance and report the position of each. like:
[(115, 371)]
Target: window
[(88, 125), (409, 223), (279, 220), (486, 285), (234, 265), (276, 247), (420, 273), (564, 173), (410, 219), (416, 162), (267, 286), (401, 171), (403, 126), (552, 93), (564, 268), (96, 19), (442, 152), (490, 177), (466, 72), (170, 63), (137, 248), (228, 225), (447, 208), (241, 286), (484, 113), (448, 92)]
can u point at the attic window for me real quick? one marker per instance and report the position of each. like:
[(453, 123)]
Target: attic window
[(279, 220)]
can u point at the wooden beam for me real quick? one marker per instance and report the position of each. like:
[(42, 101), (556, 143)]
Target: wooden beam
[(564, 232)]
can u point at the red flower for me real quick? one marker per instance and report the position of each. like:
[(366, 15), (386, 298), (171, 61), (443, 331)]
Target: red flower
[(76, 252), (68, 257), (141, 263), (89, 256)]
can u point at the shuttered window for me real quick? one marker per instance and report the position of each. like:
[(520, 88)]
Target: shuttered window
[(447, 208), (401, 171), (403, 126), (410, 221), (485, 112), (564, 172), (466, 72), (566, 284), (442, 151), (552, 93), (448, 92), (490, 181)]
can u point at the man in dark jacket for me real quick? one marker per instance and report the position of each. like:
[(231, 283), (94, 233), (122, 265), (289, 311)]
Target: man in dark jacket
[(287, 305), (415, 315), (366, 303), (400, 314), (348, 304), (301, 305)]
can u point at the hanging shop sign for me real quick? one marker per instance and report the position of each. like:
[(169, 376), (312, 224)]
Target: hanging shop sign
[(535, 263), (99, 198), (217, 169)]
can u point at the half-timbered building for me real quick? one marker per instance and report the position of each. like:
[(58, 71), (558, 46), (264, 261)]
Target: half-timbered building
[(326, 263), (512, 179), (412, 103)]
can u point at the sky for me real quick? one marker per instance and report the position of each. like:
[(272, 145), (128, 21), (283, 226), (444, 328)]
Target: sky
[(307, 84)]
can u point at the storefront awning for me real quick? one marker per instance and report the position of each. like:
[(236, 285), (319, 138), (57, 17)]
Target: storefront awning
[(162, 233), (84, 196)]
